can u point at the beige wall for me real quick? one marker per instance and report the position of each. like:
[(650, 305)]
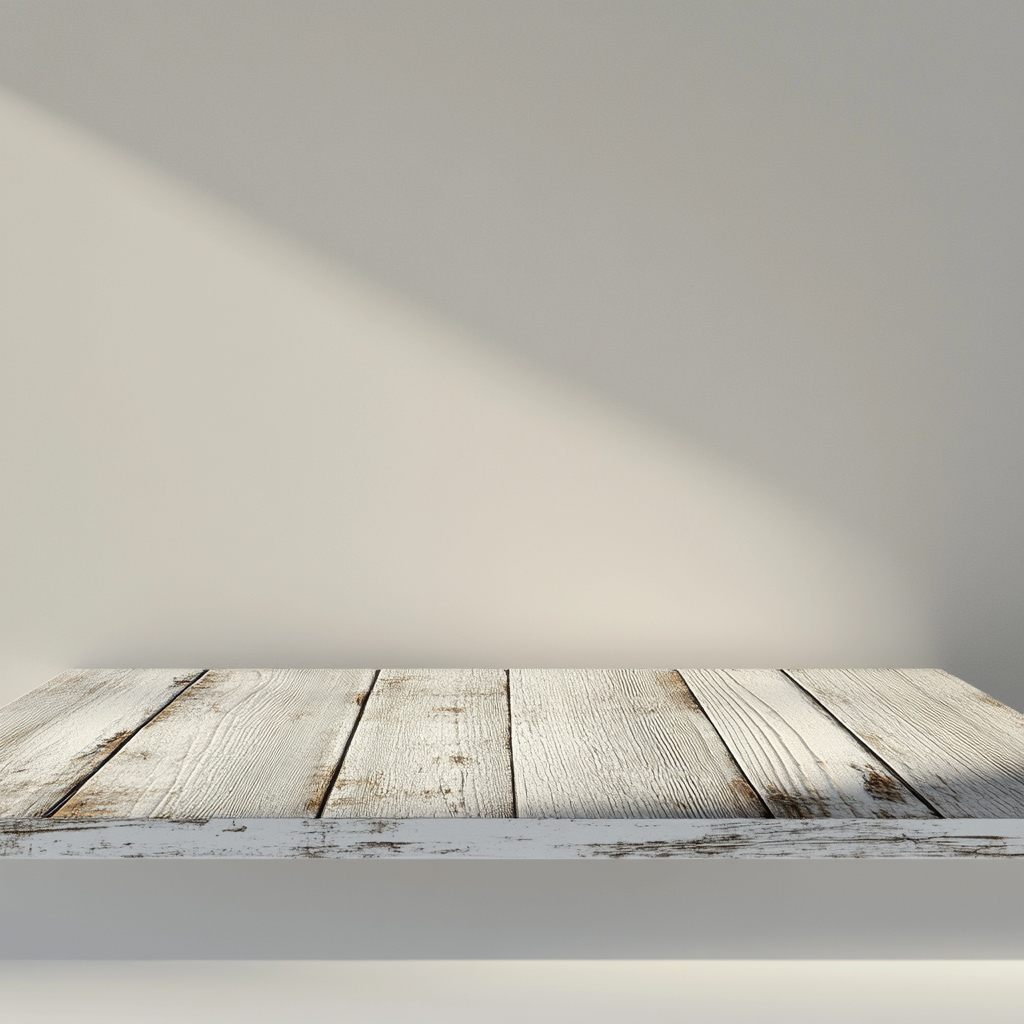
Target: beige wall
[(779, 236), (223, 449)]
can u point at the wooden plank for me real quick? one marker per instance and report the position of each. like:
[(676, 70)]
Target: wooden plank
[(619, 743), (513, 839), (801, 761), (57, 735), (253, 742), (959, 748), (432, 743)]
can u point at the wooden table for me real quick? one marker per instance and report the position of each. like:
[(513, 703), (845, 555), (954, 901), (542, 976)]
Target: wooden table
[(470, 765)]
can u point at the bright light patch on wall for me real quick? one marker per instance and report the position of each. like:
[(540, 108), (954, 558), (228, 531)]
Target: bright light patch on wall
[(221, 449)]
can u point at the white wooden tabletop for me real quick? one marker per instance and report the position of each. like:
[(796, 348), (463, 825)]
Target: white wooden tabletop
[(623, 762)]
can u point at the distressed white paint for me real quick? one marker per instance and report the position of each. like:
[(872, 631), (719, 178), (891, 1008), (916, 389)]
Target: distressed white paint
[(430, 743), (53, 737), (585, 743), (959, 748), (240, 741), (619, 743), (801, 761), (512, 839)]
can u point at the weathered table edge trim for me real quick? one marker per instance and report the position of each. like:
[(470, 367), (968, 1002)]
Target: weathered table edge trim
[(510, 838)]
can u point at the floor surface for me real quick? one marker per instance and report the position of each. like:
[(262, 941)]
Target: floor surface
[(375, 992)]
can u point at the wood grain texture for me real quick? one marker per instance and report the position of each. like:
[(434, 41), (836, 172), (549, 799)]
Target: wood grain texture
[(960, 749), (619, 743), (513, 839), (252, 742), (57, 735), (432, 743), (801, 761)]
